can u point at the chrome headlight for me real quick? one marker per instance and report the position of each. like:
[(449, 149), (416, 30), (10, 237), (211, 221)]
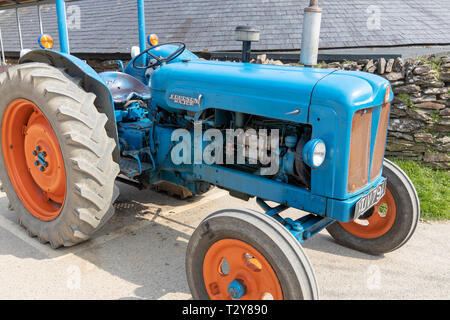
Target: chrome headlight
[(314, 153)]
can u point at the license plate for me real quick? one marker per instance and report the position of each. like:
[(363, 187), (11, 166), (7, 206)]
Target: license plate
[(370, 199)]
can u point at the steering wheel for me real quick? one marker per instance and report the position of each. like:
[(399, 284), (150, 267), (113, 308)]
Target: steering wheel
[(156, 61)]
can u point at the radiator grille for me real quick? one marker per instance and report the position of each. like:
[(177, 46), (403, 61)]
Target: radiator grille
[(378, 153), (359, 161), (360, 143)]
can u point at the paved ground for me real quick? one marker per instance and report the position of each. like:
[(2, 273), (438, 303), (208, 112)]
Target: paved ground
[(140, 254)]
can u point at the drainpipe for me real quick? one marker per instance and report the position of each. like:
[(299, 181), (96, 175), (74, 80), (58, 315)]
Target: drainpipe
[(311, 34), (41, 27), (19, 28), (3, 61)]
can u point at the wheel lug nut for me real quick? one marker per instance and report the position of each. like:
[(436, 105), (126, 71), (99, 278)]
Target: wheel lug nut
[(36, 163), (38, 148), (46, 164), (42, 169), (34, 153), (44, 154)]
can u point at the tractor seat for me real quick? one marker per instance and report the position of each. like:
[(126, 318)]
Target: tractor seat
[(124, 87)]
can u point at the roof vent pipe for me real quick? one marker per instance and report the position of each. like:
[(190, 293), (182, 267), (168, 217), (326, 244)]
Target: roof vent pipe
[(311, 34)]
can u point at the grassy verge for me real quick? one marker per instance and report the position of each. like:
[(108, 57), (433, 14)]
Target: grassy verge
[(433, 187)]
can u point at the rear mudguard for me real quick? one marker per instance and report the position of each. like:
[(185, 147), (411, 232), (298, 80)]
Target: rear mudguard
[(91, 82)]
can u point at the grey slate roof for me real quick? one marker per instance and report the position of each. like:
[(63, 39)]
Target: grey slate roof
[(110, 26)]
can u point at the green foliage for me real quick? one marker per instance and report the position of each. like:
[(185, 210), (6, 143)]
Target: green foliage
[(406, 99), (320, 65), (433, 188), (436, 65), (435, 115)]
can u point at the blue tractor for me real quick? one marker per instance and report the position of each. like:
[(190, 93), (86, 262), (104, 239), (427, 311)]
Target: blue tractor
[(170, 118)]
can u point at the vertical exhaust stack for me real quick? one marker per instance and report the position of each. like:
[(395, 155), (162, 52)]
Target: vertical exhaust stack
[(311, 34)]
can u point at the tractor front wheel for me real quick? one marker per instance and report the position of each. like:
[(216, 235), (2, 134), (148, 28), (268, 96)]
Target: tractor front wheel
[(247, 255), (56, 163), (389, 224)]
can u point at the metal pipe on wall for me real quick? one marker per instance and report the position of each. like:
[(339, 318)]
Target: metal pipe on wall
[(41, 27), (3, 61), (19, 28)]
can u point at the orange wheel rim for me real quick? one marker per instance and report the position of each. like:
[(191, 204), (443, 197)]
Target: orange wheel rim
[(378, 224), (33, 159), (231, 260)]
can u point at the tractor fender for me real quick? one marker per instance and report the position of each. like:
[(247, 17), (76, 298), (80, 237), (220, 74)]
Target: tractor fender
[(91, 82)]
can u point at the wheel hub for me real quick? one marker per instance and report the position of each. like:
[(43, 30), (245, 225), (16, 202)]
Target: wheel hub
[(376, 222), (33, 159), (40, 159), (43, 157), (237, 289), (232, 269)]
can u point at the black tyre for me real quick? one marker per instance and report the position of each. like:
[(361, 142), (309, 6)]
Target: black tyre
[(390, 224), (72, 148), (244, 249)]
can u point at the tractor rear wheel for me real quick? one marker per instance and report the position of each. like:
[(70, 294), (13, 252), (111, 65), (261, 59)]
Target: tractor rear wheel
[(389, 224), (56, 163), (243, 254)]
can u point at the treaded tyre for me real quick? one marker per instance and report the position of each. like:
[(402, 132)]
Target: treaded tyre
[(56, 163), (390, 224), (243, 254)]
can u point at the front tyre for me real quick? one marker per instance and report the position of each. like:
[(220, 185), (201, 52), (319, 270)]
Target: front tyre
[(243, 254), (56, 163), (387, 226)]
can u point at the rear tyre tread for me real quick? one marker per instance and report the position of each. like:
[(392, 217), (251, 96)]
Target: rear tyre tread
[(87, 152)]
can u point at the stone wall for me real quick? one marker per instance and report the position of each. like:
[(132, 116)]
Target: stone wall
[(419, 128), (420, 118)]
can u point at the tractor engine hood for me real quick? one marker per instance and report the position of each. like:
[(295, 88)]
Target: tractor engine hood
[(280, 92)]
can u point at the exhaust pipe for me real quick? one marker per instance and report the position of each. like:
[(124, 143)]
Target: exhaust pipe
[(311, 34)]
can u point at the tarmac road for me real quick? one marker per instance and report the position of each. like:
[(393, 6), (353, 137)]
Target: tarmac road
[(140, 254)]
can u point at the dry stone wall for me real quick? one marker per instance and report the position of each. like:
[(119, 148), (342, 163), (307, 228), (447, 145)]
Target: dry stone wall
[(419, 127)]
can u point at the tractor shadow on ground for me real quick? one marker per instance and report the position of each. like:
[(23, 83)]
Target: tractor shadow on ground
[(145, 245), (142, 245), (152, 258), (323, 242), (151, 252)]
